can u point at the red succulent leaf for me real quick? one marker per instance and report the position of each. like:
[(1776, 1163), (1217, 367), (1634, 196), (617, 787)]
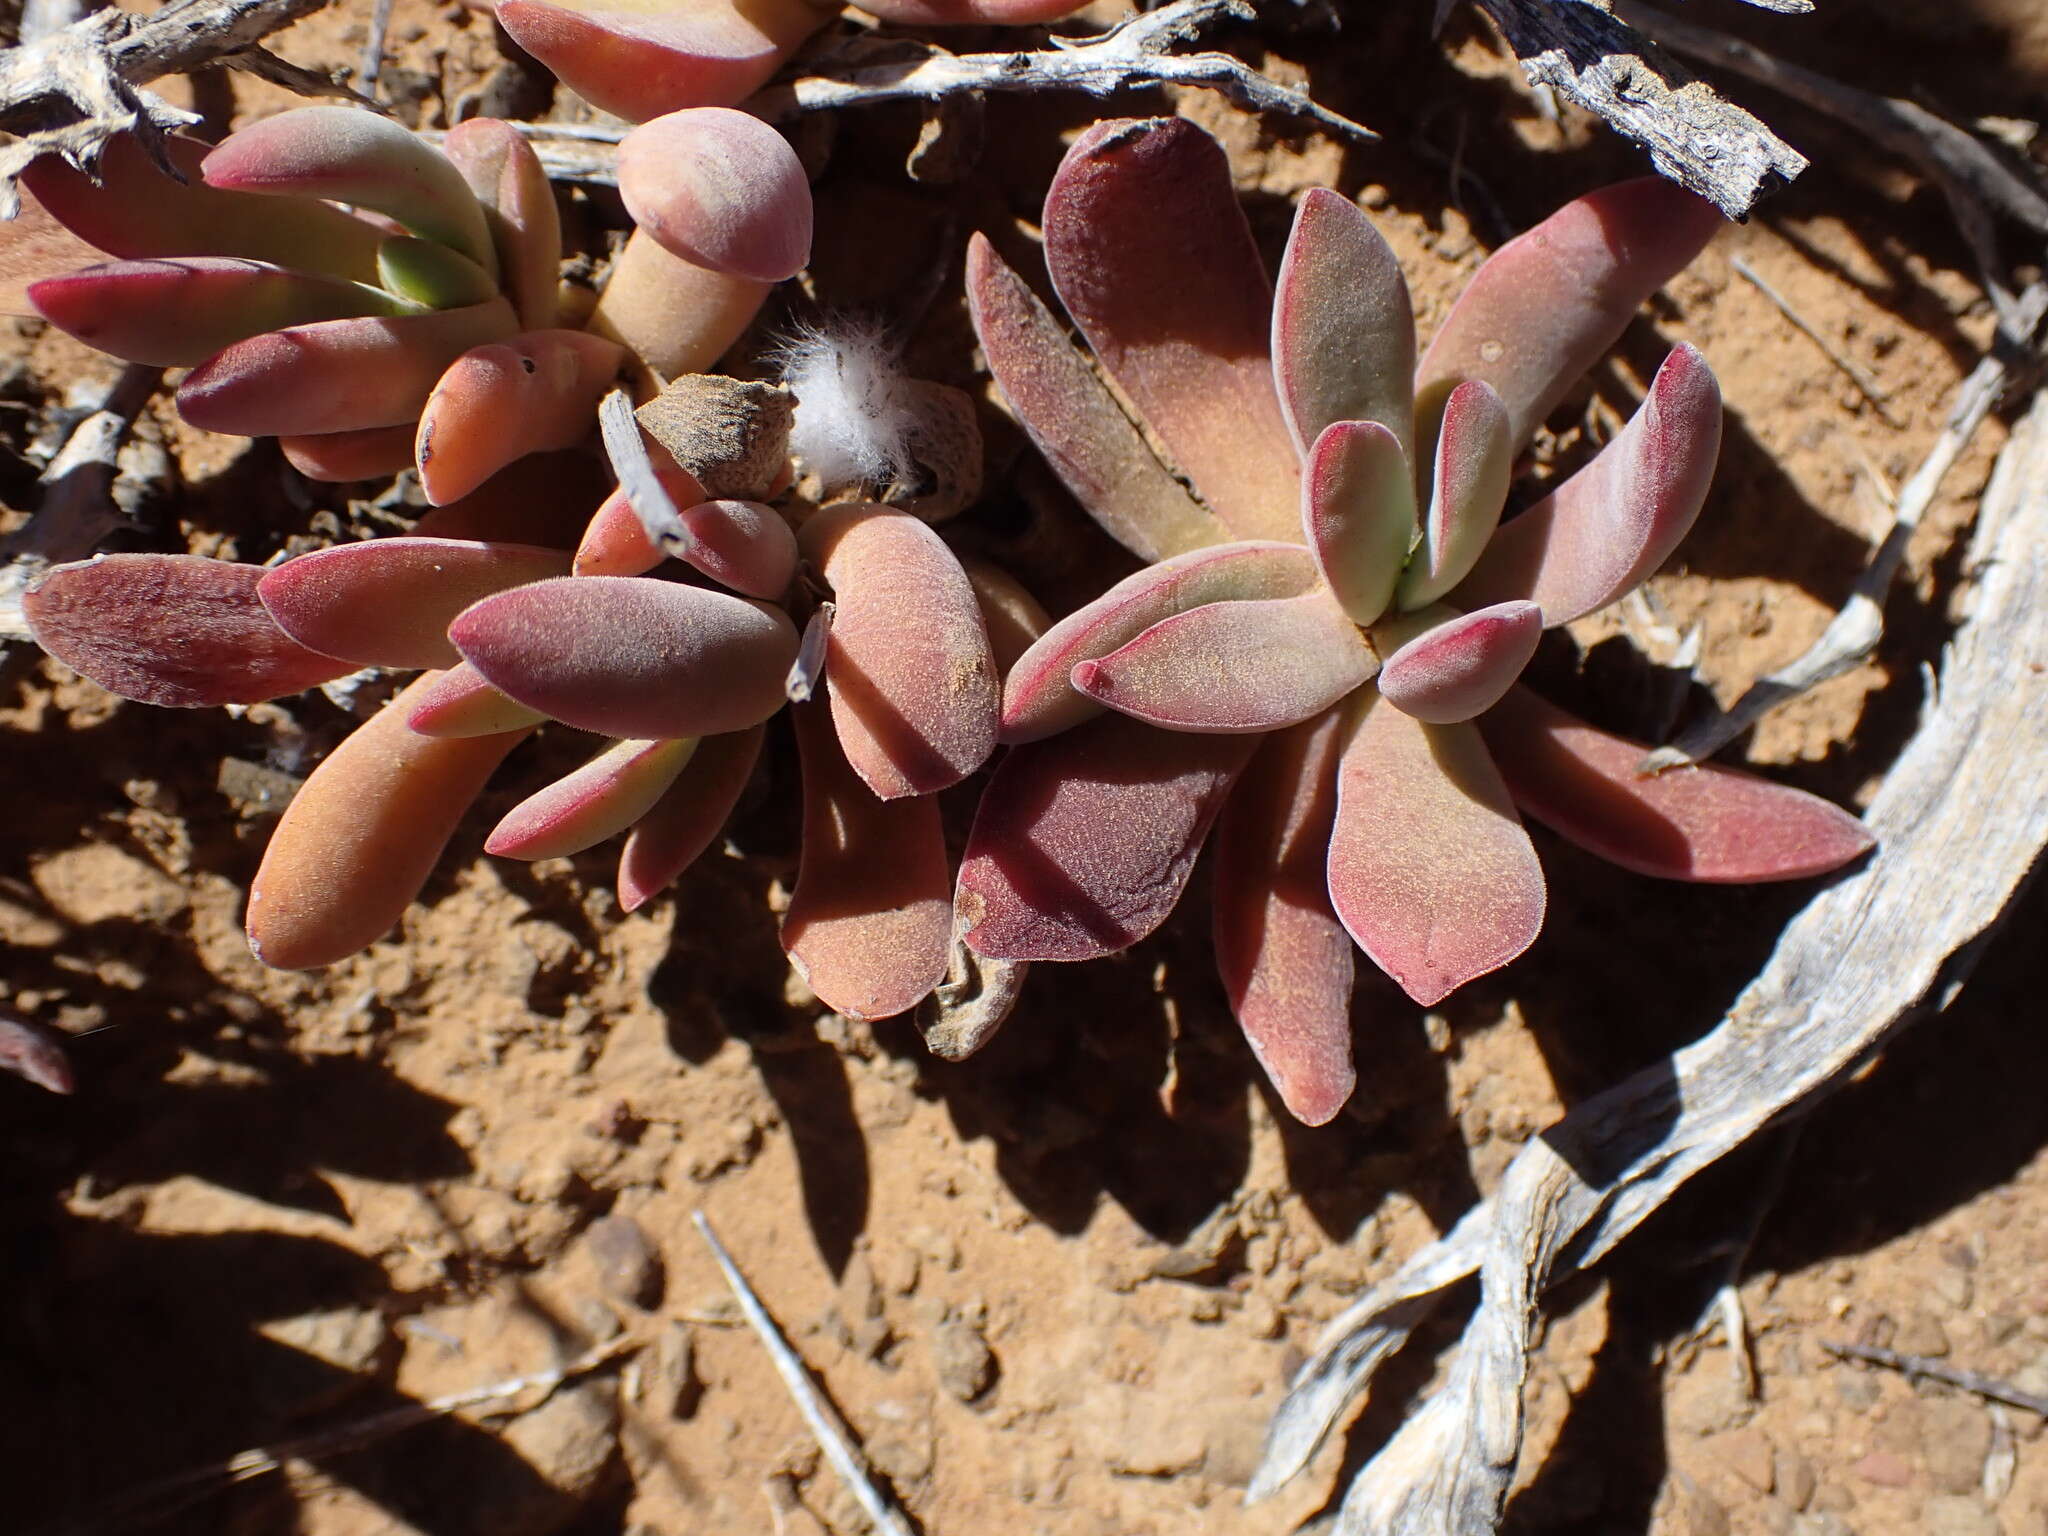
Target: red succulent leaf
[(869, 924), (669, 838), (913, 684), (599, 800), (178, 630), (499, 402), (1038, 696), (1475, 461), (1343, 326), (1704, 823), (721, 189), (1447, 667), (630, 656), (744, 545), (519, 207), (1285, 960), (1082, 844), (1153, 258), (1614, 522), (458, 702), (388, 602), (1358, 510), (35, 1053), (34, 246), (1429, 868), (362, 835), (370, 453)]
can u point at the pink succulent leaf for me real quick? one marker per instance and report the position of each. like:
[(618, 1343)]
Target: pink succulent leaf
[(721, 189), (631, 656), (1609, 526), (543, 499), (972, 13), (1545, 306), (358, 157), (745, 545), (1430, 869), (519, 206), (371, 453), (640, 60), (499, 402), (1358, 510), (177, 630), (1705, 823), (870, 923), (912, 681), (1013, 618), (1074, 420), (1234, 666), (35, 246), (458, 702), (174, 313), (1082, 844), (431, 275), (388, 602), (671, 836), (599, 800), (1475, 461), (617, 542), (1152, 256), (1285, 960), (36, 1053), (673, 315), (362, 835), (1038, 695), (136, 211), (335, 375), (1343, 326), (1452, 666)]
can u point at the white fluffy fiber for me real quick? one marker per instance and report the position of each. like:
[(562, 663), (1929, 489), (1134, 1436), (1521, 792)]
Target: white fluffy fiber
[(855, 412)]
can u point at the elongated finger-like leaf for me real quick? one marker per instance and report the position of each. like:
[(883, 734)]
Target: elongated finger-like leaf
[(1358, 510), (388, 602), (1083, 843), (1013, 618), (599, 800), (1152, 257), (1475, 461), (433, 275), (1543, 307), (362, 835), (1285, 960), (673, 315), (1705, 823), (357, 157), (545, 498), (1074, 420), (458, 702), (1615, 521), (744, 545), (630, 656), (500, 402), (337, 457), (912, 680), (1343, 327), (980, 13), (177, 630), (1235, 666), (1444, 666), (1039, 697), (669, 838), (34, 246), (870, 922), (1429, 868), (174, 313), (336, 375), (519, 207), (616, 542), (721, 189)]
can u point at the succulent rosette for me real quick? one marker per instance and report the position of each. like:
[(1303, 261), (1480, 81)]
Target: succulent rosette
[(1321, 661)]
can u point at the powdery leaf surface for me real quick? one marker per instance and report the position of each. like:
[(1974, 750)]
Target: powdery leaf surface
[(599, 800), (683, 822), (1461, 666)]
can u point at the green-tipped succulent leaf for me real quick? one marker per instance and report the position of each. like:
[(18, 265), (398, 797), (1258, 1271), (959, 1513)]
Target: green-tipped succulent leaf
[(1358, 512), (599, 800), (430, 275), (519, 206), (683, 822), (1475, 461)]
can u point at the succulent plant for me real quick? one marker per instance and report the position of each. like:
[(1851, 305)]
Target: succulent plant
[(1322, 658)]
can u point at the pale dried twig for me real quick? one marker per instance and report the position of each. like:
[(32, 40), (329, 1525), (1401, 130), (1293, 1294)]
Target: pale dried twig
[(1917, 1366), (1866, 386)]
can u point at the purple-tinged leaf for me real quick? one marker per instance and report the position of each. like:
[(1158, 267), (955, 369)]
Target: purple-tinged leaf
[(1153, 258), (35, 1052), (745, 545), (34, 246), (630, 656), (1545, 306), (458, 702), (1343, 327), (362, 835), (1075, 421), (358, 157), (500, 402), (371, 453), (1445, 666), (519, 206), (912, 681), (1038, 696), (721, 189), (599, 800), (1013, 618), (174, 313), (671, 836), (1234, 666), (1475, 461), (177, 630), (1082, 844), (336, 375), (1430, 869), (431, 275), (1704, 823), (870, 923), (388, 602), (1358, 511), (1602, 532), (1285, 960), (673, 315)]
